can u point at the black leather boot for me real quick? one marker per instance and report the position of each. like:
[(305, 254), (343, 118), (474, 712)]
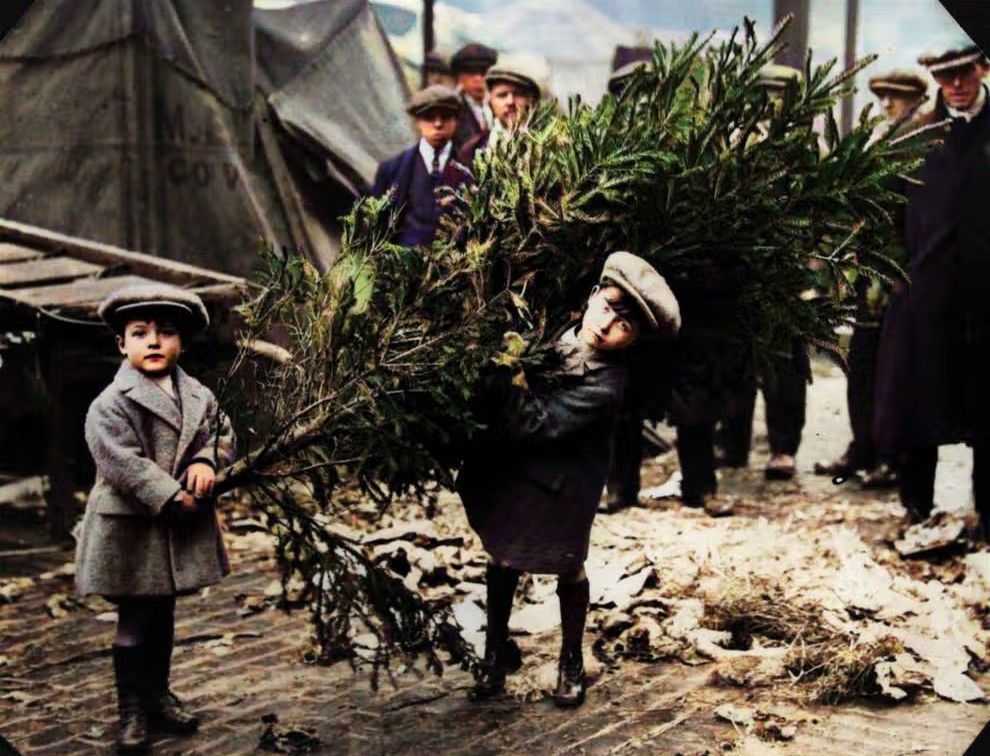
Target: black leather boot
[(571, 681), (165, 711), (132, 728), (502, 655)]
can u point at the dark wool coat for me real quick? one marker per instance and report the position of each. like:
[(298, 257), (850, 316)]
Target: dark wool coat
[(141, 445), (933, 366), (465, 155), (467, 124), (532, 495), (398, 173)]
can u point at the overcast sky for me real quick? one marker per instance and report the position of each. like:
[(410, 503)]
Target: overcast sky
[(897, 30)]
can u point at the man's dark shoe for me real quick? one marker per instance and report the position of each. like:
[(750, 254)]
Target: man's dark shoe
[(881, 476), (839, 468), (165, 712), (571, 683), (780, 467), (734, 461), (616, 504), (695, 499)]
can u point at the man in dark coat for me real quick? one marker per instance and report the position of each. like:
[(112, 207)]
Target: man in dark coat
[(469, 66), (417, 176), (933, 377), (900, 94)]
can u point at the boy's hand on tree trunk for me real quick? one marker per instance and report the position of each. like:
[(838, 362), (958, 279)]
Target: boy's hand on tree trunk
[(198, 479)]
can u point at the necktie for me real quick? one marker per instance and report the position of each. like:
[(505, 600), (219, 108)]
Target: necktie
[(435, 170)]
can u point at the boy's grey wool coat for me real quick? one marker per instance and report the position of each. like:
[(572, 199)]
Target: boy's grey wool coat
[(142, 444), (532, 496)]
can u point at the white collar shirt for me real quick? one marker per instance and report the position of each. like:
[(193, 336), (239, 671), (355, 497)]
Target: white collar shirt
[(426, 151), (973, 111)]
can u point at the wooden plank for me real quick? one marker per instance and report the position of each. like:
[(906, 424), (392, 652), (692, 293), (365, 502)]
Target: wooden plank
[(47, 269), (107, 255), (71, 295), (12, 253)]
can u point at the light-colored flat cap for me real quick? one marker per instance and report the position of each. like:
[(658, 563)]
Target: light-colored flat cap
[(640, 280), (434, 97), (960, 53), (129, 301), (901, 82), (498, 74), (777, 76)]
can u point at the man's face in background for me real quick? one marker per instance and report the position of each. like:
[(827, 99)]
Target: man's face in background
[(960, 85), (896, 105), (472, 81)]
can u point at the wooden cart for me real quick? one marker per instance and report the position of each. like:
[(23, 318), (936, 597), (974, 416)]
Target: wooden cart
[(51, 285)]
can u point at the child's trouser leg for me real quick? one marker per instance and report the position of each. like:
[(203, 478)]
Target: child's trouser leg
[(501, 655), (573, 592)]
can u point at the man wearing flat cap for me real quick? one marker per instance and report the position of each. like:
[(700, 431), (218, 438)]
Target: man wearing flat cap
[(511, 93), (900, 93), (933, 371), (436, 70), (469, 66), (419, 176), (785, 391)]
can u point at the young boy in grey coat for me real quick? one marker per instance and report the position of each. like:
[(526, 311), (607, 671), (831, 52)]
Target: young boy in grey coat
[(150, 530), (531, 491)]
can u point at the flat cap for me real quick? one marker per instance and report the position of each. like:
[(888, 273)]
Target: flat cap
[(620, 76), (624, 55), (640, 280), (513, 76), (962, 53), (434, 97), (899, 82), (473, 55), (130, 301), (436, 63), (777, 76)]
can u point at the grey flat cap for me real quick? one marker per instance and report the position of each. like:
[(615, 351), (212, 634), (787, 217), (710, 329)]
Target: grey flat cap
[(961, 54), (434, 97), (640, 280), (495, 75), (131, 300), (777, 76), (899, 82)]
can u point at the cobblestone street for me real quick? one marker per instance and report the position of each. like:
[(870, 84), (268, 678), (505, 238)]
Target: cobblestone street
[(56, 684)]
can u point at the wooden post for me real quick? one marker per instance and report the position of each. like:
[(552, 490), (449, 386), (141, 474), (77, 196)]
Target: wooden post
[(796, 35), (429, 37), (852, 21)]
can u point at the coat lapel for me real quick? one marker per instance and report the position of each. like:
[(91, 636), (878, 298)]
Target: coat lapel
[(144, 391), (194, 403)]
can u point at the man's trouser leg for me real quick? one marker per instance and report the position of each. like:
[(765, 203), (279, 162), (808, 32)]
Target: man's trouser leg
[(860, 396), (785, 394), (916, 477), (696, 453), (737, 426), (626, 459)]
